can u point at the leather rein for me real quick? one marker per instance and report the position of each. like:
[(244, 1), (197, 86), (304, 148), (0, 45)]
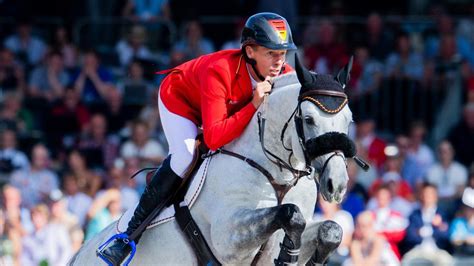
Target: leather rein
[(282, 189)]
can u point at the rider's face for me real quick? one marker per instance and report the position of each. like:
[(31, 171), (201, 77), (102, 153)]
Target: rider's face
[(269, 62)]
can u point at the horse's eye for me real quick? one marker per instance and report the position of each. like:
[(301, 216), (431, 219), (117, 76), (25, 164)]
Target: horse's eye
[(309, 120)]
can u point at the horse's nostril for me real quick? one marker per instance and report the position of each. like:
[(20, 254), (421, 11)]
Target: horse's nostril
[(330, 187)]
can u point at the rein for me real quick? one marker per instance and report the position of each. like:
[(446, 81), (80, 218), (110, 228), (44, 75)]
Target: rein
[(280, 190)]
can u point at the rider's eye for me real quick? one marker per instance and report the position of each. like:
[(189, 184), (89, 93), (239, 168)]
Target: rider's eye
[(309, 120)]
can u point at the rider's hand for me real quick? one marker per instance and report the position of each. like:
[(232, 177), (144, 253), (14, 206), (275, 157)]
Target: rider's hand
[(262, 88)]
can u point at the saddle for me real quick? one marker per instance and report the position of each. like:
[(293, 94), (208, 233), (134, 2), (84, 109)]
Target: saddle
[(178, 207), (167, 214)]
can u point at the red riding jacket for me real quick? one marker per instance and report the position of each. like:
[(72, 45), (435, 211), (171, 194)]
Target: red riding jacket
[(214, 91)]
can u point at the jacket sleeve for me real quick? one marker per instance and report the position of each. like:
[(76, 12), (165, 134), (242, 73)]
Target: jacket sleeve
[(218, 127), (412, 236)]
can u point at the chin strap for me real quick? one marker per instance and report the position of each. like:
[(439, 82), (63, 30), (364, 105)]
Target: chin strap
[(252, 63)]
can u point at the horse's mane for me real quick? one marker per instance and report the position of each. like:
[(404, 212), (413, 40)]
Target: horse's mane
[(285, 80)]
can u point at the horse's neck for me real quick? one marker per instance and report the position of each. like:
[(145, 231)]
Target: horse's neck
[(280, 106)]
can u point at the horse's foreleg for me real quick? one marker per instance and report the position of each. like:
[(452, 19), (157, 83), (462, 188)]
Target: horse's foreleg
[(319, 240), (293, 223), (251, 228)]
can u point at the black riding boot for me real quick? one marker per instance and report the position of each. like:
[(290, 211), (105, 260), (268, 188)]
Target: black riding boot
[(162, 186)]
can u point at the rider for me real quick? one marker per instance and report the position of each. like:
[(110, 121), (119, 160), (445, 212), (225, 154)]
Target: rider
[(220, 92)]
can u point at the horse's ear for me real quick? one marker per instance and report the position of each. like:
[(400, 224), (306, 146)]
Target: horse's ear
[(304, 76), (344, 74)]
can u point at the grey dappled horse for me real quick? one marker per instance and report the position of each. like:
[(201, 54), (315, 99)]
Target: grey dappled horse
[(305, 121)]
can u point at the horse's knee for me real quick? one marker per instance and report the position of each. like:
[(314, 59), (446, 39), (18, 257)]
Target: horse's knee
[(329, 235), (291, 219)]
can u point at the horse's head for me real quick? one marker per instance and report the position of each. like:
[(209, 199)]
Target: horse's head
[(322, 120)]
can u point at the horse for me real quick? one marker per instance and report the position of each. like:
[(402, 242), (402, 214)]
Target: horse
[(245, 211)]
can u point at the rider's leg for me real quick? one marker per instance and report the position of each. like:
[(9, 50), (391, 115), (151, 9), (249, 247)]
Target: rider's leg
[(180, 134)]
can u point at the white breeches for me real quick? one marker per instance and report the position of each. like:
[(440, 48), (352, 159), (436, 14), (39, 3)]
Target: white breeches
[(181, 135)]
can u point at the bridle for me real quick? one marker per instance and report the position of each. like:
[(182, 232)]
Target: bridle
[(297, 116), (282, 189)]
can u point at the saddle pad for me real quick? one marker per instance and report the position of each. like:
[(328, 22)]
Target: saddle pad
[(168, 213)]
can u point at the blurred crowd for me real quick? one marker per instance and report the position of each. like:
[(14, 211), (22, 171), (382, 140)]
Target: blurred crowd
[(75, 125)]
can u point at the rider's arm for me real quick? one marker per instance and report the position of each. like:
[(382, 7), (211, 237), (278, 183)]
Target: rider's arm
[(218, 127)]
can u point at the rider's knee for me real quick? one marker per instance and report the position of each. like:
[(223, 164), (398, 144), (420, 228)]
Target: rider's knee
[(181, 160)]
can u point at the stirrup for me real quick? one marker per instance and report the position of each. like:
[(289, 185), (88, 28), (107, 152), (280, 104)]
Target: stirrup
[(126, 240)]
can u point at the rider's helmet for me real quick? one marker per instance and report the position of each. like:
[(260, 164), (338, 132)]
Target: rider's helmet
[(269, 30)]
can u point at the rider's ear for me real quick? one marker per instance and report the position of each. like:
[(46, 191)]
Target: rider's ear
[(249, 50), (344, 74)]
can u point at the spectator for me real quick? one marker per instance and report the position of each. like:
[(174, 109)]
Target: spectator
[(48, 82), (10, 242), (434, 42), (448, 59), (367, 72), (17, 216), (333, 212), (328, 54), (465, 28), (368, 247), (377, 38), (409, 169), (147, 150), (126, 185), (450, 177), (356, 195), (12, 75), (78, 203), (131, 166), (11, 158), (462, 136), (392, 175), (370, 141), (151, 114), (92, 81), (14, 116), (38, 181), (419, 151), (364, 178), (133, 47), (60, 215), (235, 42), (388, 222), (146, 11), (99, 148), (118, 116), (52, 238), (136, 90), (461, 232), (88, 181), (193, 44), (105, 209), (62, 43), (66, 120), (29, 49), (428, 226), (394, 183), (404, 62)]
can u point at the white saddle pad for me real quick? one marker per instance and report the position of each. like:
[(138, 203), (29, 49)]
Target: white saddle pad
[(168, 213)]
